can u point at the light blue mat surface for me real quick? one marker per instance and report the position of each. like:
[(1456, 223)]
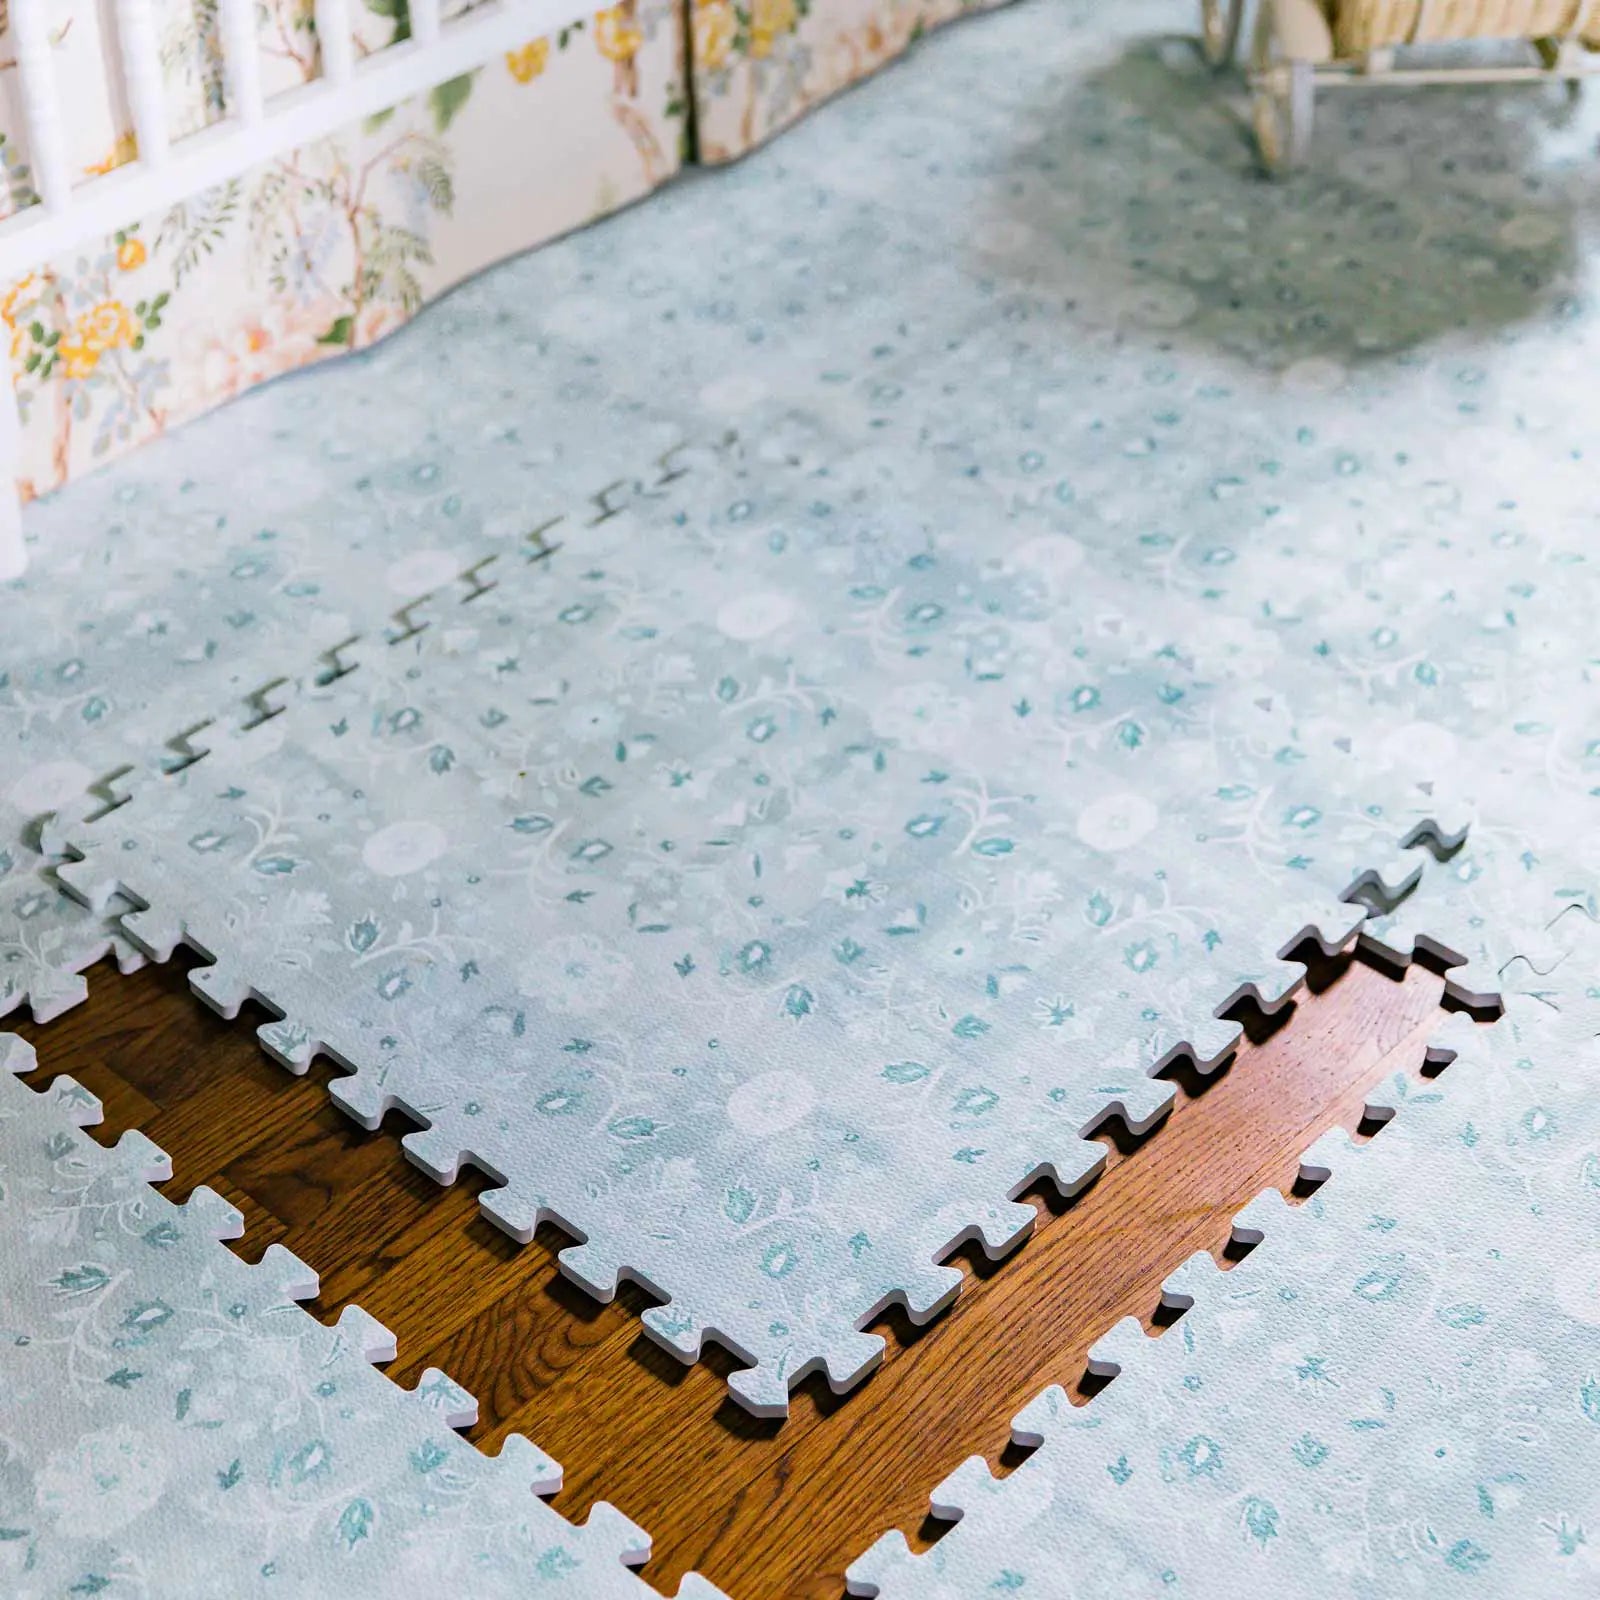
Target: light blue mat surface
[(1016, 572)]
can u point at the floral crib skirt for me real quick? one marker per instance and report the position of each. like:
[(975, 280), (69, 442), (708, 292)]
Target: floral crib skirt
[(759, 64)]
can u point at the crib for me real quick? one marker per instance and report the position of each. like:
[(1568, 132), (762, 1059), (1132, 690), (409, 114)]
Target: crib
[(71, 209), (1301, 46)]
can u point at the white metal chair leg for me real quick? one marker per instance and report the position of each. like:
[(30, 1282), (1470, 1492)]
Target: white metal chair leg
[(1219, 31), (1291, 36)]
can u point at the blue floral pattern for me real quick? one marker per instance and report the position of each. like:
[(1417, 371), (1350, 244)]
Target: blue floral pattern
[(768, 989), (177, 1424), (1396, 1393), (1091, 563)]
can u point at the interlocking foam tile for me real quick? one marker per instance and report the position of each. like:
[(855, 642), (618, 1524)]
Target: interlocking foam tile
[(46, 939), (175, 1424), (1340, 472), (135, 674), (784, 955), (1396, 1393), (1493, 897)]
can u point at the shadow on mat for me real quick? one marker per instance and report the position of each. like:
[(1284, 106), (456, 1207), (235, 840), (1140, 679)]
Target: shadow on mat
[(1422, 214)]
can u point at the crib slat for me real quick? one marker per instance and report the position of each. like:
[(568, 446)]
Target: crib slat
[(41, 107), (141, 76), (335, 40), (241, 60), (425, 20), (347, 90)]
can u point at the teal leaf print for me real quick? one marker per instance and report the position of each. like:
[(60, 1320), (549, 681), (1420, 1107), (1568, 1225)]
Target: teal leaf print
[(738, 1205), (632, 1128), (147, 1316), (924, 826), (779, 1260), (970, 1027), (81, 1280), (1539, 1122), (905, 1072), (1589, 1399), (1461, 1316), (1202, 1456), (355, 1522), (311, 1460), (1141, 957), (1378, 1284), (393, 984), (1260, 1518), (974, 1102), (1465, 1556), (799, 1002), (231, 1474)]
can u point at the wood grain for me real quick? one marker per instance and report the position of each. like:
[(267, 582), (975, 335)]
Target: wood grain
[(768, 1511)]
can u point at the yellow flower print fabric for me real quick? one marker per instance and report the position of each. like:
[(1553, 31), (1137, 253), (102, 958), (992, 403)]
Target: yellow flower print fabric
[(759, 64), (329, 247)]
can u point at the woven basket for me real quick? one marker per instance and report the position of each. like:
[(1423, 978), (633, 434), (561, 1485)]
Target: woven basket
[(1362, 25)]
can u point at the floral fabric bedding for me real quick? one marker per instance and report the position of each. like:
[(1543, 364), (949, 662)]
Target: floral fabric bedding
[(329, 247)]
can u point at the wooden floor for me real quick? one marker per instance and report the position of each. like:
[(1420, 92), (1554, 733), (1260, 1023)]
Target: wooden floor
[(767, 1511)]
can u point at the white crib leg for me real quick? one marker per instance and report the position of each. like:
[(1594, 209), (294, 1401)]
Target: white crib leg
[(13, 557)]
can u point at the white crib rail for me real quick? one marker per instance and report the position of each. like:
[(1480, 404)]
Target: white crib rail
[(74, 212)]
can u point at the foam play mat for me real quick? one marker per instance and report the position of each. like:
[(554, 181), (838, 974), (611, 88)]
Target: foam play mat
[(761, 727)]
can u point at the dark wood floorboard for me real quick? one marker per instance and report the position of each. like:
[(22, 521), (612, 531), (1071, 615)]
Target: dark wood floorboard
[(769, 1512)]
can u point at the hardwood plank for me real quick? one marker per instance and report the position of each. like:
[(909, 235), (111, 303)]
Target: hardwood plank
[(765, 1511)]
